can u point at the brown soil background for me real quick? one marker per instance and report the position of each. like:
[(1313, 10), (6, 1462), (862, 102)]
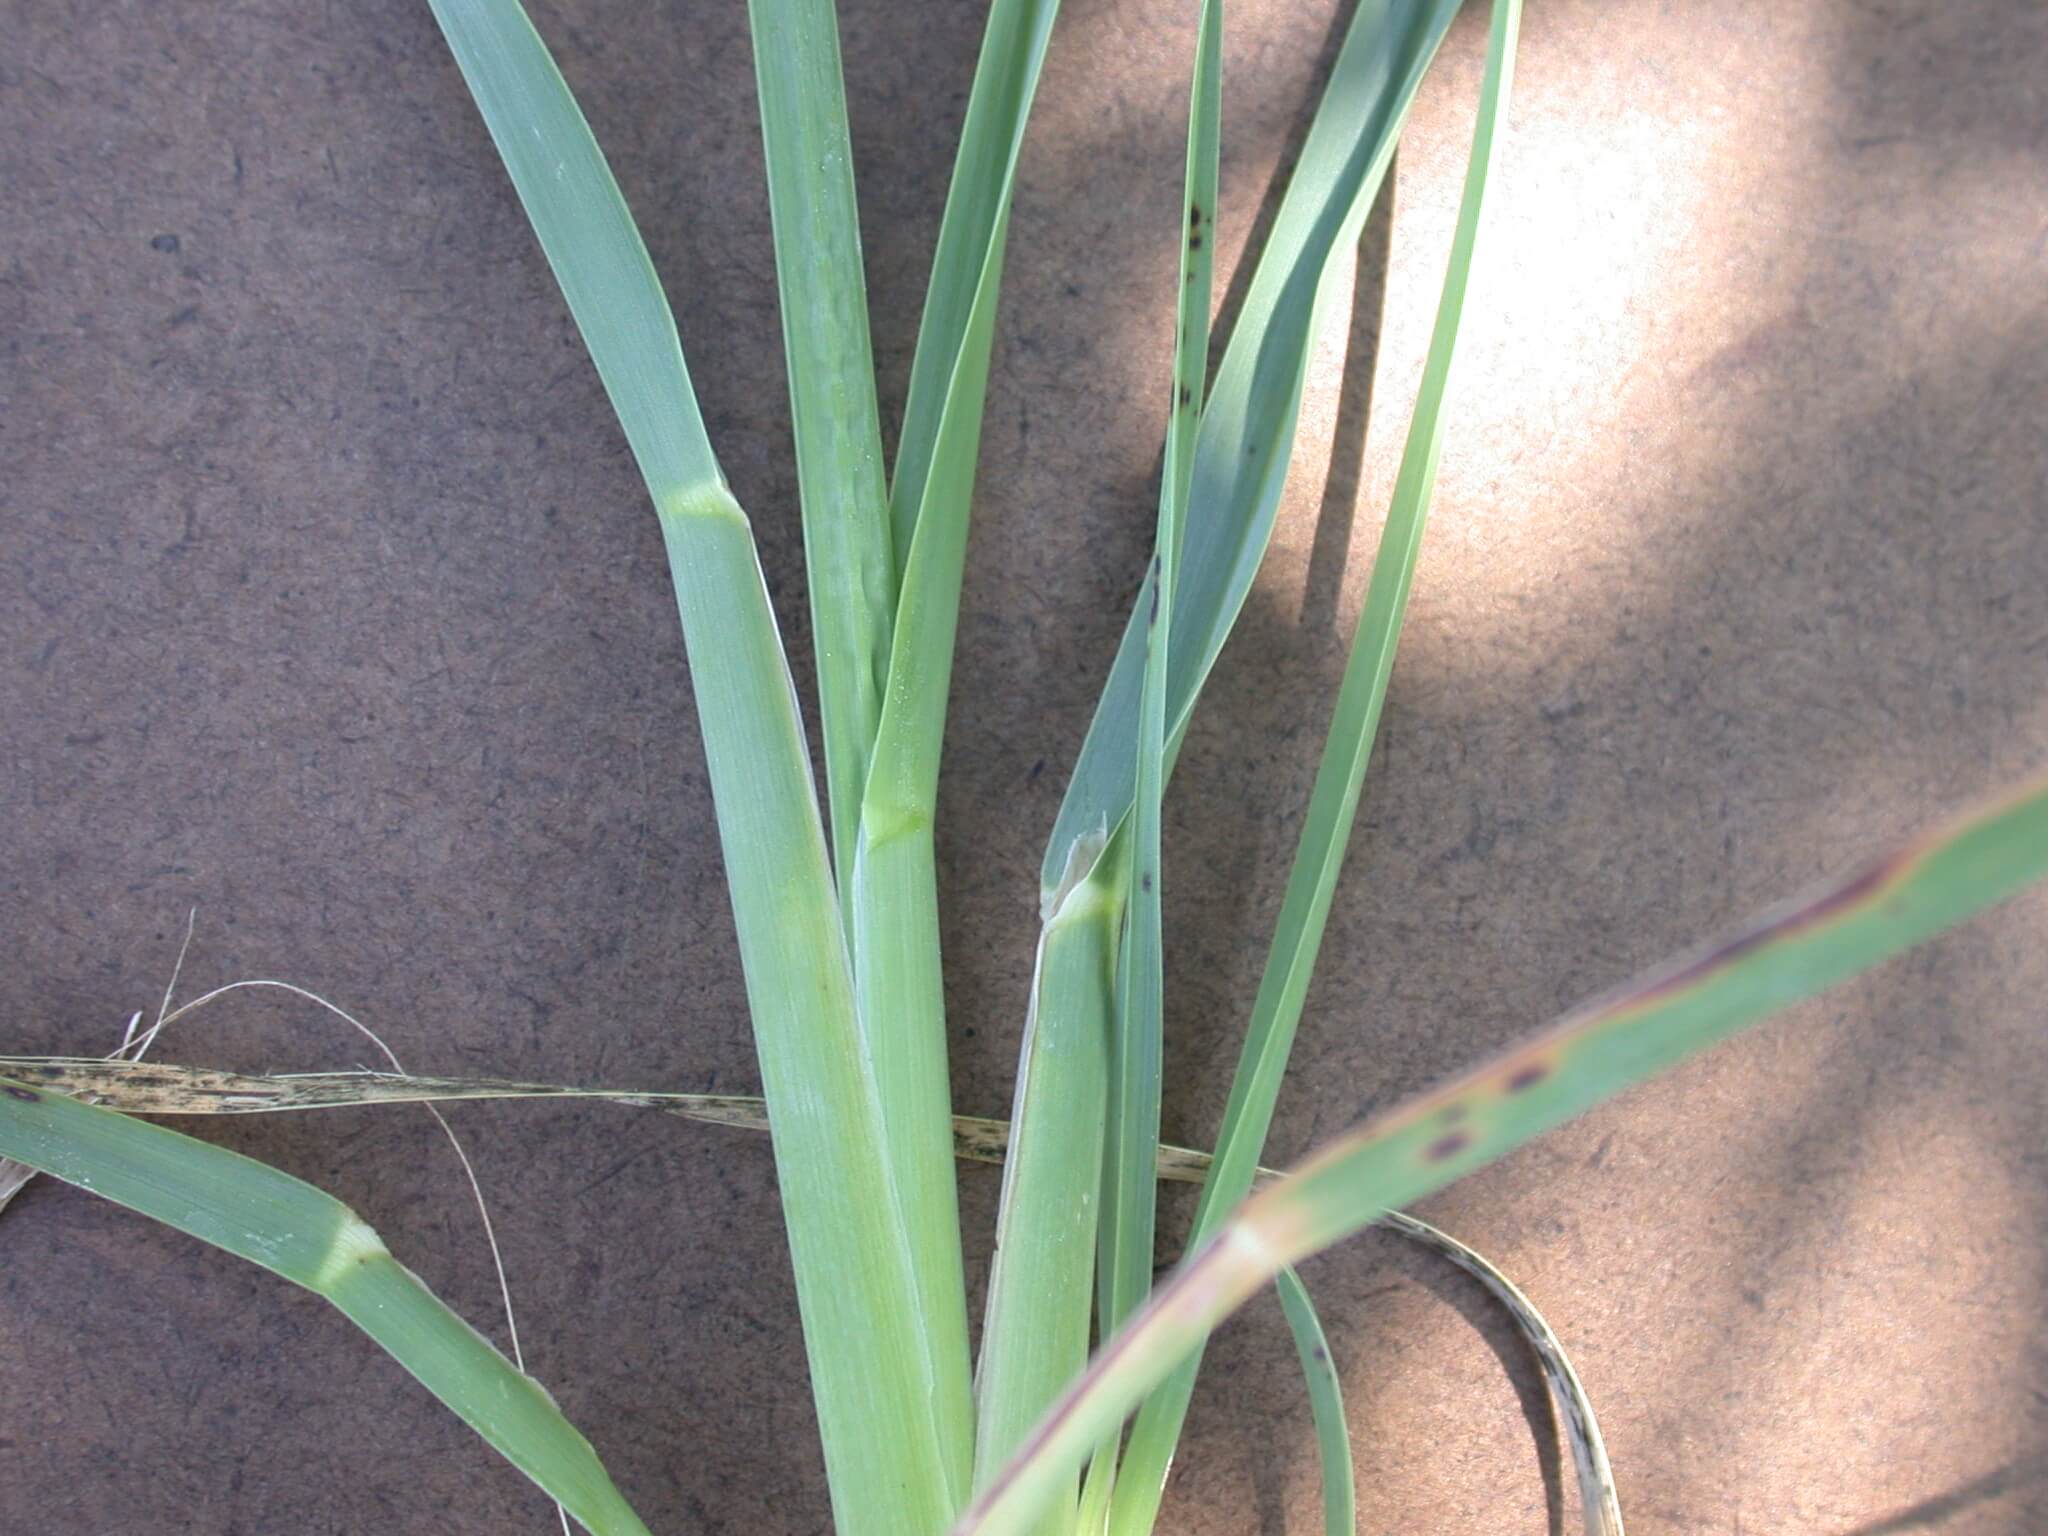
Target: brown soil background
[(333, 608)]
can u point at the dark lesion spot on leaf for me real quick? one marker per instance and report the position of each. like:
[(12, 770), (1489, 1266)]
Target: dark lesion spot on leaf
[(1145, 882), (1320, 1353), (1445, 1148), (1194, 242), (24, 1095), (1527, 1076), (1187, 396), (1194, 215), (1865, 887)]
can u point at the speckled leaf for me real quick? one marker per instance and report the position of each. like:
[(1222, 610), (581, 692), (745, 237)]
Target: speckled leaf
[(163, 1088), (1607, 1045), (1340, 779)]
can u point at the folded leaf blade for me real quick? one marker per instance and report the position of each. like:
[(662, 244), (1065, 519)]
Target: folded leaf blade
[(872, 1366), (287, 1226), (1245, 440), (1611, 1043)]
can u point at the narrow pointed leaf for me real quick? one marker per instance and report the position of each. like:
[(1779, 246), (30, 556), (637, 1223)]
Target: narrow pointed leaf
[(894, 890), (1245, 440), (1599, 1501), (883, 853), (970, 249), (1130, 1184), (292, 1229), (1785, 956), (164, 1088), (849, 567), (1340, 778), (1036, 1333), (872, 1370), (1326, 1406), (893, 875), (894, 878), (930, 500)]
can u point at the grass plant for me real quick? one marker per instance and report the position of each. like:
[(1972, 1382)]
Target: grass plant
[(835, 898)]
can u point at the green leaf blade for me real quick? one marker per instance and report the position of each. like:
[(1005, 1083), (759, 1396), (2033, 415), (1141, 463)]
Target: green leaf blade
[(1326, 1406), (1787, 955), (894, 895), (1130, 1186), (1244, 444), (1340, 779), (872, 1366), (969, 254), (308, 1237), (588, 235), (894, 892), (849, 565), (882, 683), (1035, 1335)]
